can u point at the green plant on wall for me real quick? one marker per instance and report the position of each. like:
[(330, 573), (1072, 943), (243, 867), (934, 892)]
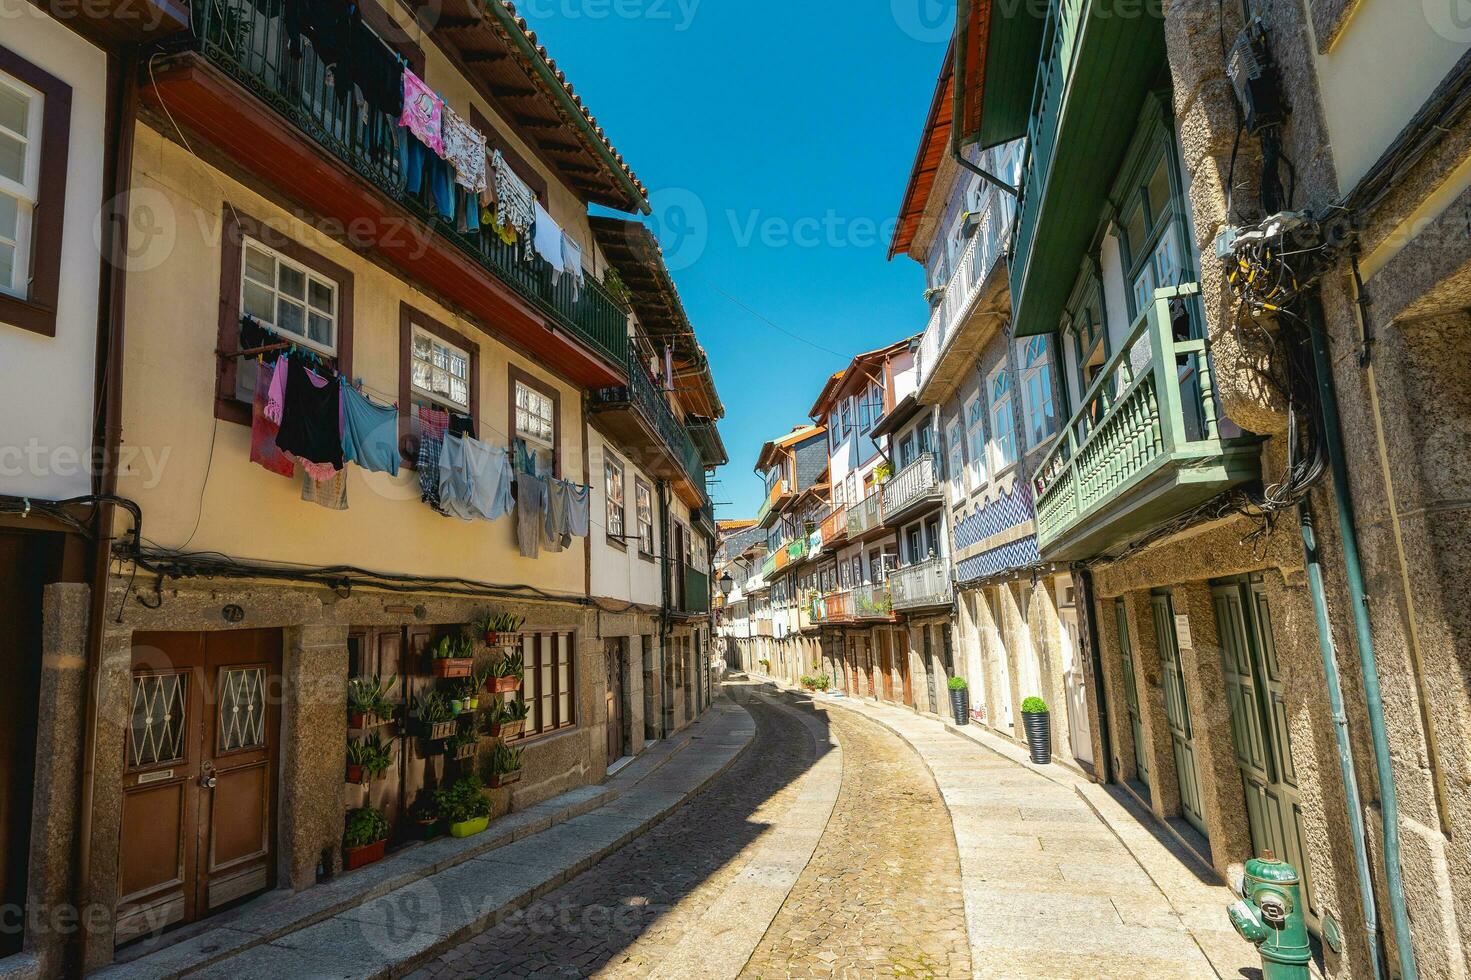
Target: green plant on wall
[(505, 759), (453, 648), (369, 696), (462, 801), (510, 665), (432, 708), (372, 753), (1034, 706)]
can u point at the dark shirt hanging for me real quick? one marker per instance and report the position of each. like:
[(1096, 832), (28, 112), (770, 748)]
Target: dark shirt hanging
[(461, 425), (311, 417)]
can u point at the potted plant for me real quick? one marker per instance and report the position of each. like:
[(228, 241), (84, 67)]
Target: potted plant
[(507, 719), (808, 683), (882, 472), (368, 758), (1038, 723), (426, 818), (499, 629), (959, 700), (434, 716), (821, 682), (368, 702), (765, 664), (462, 745), (464, 807), (505, 766), (505, 673), (452, 657), (365, 837)]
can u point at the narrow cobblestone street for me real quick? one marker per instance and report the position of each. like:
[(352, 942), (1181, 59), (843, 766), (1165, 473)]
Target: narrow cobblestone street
[(880, 896)]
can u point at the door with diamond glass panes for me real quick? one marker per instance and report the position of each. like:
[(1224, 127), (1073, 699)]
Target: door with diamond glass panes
[(199, 787)]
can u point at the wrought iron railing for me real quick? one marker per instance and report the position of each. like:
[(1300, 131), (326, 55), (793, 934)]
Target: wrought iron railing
[(914, 483), (866, 515), (247, 41), (645, 396), (873, 601), (927, 583)]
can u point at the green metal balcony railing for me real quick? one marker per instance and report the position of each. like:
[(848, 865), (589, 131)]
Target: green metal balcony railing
[(238, 37), (1145, 446), (768, 566)]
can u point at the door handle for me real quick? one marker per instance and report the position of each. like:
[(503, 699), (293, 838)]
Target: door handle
[(208, 777)]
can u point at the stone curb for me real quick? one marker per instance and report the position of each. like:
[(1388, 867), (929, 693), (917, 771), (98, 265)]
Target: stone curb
[(315, 909)]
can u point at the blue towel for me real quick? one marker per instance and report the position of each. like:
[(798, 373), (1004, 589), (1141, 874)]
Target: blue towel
[(369, 433)]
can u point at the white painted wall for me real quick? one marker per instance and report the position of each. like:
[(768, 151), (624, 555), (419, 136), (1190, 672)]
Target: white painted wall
[(620, 573), (46, 402)]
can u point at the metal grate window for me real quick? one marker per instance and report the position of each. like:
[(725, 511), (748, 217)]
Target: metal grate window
[(242, 723), (157, 734)]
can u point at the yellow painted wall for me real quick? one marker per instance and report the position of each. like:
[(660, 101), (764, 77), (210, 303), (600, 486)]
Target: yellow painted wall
[(192, 470)]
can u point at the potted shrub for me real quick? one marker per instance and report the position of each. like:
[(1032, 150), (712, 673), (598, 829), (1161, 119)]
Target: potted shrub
[(1038, 723), (808, 683), (434, 716), (506, 719), (462, 745), (426, 818), (505, 673), (464, 807), (499, 629), (365, 837), (368, 702), (452, 656), (368, 758), (821, 682), (960, 700), (505, 766)]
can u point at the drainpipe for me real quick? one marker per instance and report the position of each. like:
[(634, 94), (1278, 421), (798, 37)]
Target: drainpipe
[(1364, 641), (962, 32), (111, 314), (1340, 732)]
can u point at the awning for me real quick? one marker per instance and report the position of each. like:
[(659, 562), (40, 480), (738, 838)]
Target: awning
[(999, 47)]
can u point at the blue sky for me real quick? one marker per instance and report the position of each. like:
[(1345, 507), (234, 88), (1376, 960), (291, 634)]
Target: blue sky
[(776, 141)]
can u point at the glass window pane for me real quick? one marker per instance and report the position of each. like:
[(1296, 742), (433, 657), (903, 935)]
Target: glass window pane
[(422, 376), (12, 158), (289, 317), (564, 708), (459, 392), (459, 366), (292, 282), (260, 302), (7, 267), (320, 296), (319, 329), (1159, 192), (1134, 230), (9, 216), (14, 110), (260, 266), (421, 346)]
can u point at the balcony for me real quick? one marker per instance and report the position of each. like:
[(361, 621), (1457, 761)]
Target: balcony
[(922, 585), (833, 608), (1093, 73), (1146, 445), (958, 327), (865, 517), (873, 602), (777, 496), (797, 549), (768, 566), (233, 84), (639, 416), (834, 528), (691, 591), (911, 490)]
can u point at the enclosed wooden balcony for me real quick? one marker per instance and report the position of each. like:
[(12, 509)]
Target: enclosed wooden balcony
[(1146, 445), (778, 495)]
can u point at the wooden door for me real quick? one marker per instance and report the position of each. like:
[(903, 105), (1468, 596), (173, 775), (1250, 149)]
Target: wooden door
[(929, 668), (1177, 711), (380, 653), (1131, 692), (901, 654), (886, 664), (1259, 732), (1074, 675), (198, 828), (613, 657)]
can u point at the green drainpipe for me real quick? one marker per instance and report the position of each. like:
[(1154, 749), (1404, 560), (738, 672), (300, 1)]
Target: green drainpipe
[(1340, 731), (1364, 640)]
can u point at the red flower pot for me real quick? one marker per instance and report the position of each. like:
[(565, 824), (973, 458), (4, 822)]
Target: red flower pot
[(506, 729), (453, 667), (357, 857), (355, 774), (504, 685)]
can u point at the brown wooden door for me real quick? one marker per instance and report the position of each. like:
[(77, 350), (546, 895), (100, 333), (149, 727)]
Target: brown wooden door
[(613, 655), (380, 653), (901, 654), (870, 669), (198, 828), (886, 664)]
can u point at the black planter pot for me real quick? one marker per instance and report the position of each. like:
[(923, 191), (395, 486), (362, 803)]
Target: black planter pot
[(1039, 735), (960, 705)]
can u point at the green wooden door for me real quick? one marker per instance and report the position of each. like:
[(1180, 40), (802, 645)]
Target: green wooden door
[(1177, 711), (1259, 729), (1131, 692)]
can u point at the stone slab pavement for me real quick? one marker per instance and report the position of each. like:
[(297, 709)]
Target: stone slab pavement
[(382, 920)]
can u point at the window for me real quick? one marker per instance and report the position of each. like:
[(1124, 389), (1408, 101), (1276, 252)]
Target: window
[(613, 490), (1003, 437), (956, 448), (876, 402), (644, 504), (35, 130), (975, 438), (1039, 410), (440, 371), (913, 544), (288, 298), (547, 685), (932, 536), (534, 414), (835, 437), (847, 422), (1151, 227), (906, 450)]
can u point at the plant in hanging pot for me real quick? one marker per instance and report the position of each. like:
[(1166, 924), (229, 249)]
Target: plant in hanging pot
[(462, 745), (1037, 721), (434, 716), (365, 837), (498, 629), (463, 806), (507, 718), (368, 758), (426, 819), (368, 702), (959, 700), (505, 673), (452, 657), (468, 693), (505, 766)]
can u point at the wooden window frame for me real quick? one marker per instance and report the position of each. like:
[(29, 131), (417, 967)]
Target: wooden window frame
[(410, 317), (517, 376), (36, 312), (639, 483), (236, 226), (535, 662), (616, 539)]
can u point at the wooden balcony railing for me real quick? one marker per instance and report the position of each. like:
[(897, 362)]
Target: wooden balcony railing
[(915, 484), (866, 515), (778, 491), (835, 527), (1146, 444), (926, 583)]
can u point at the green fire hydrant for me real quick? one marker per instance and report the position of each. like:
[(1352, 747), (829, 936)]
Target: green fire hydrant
[(1269, 915)]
